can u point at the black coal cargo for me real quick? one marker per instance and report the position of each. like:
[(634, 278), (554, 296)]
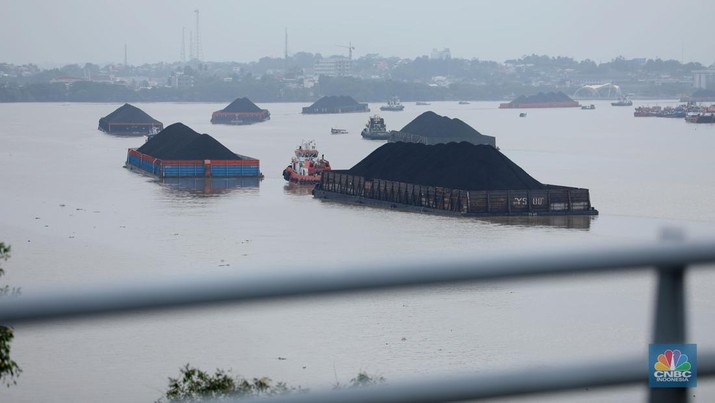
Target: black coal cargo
[(128, 119), (451, 178), (178, 151), (431, 128), (240, 112), (335, 104)]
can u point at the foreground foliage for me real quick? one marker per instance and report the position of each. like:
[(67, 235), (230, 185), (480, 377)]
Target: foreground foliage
[(9, 370), (195, 385)]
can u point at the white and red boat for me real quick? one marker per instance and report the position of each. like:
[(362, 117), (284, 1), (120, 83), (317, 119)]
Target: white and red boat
[(307, 165)]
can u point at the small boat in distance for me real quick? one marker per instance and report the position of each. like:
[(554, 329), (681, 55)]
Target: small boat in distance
[(393, 104), (153, 132), (338, 131), (375, 129), (700, 118), (588, 107), (522, 115), (622, 101), (422, 103), (306, 167), (463, 102)]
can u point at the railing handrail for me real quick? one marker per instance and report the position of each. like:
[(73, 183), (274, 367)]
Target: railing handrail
[(156, 294), (670, 258)]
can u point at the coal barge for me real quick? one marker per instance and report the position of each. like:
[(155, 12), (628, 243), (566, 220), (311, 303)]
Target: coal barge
[(129, 120), (335, 104), (240, 112), (180, 152), (542, 100), (459, 179)]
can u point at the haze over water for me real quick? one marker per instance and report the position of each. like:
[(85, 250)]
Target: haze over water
[(247, 31), (75, 217)]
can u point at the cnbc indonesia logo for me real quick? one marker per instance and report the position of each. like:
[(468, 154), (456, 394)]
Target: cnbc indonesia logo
[(673, 367)]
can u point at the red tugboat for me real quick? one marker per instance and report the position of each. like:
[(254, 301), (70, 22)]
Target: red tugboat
[(305, 166)]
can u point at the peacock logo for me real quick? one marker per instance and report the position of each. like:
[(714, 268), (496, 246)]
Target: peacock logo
[(672, 360), (673, 365)]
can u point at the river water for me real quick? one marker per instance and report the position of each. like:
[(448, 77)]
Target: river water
[(75, 217)]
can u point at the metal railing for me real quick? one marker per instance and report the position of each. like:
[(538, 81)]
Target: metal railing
[(669, 257)]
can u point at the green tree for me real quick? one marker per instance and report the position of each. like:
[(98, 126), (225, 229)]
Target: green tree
[(362, 379), (9, 370), (194, 385)]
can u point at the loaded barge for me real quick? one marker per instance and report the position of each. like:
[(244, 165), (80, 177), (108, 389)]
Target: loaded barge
[(241, 167), (129, 120), (553, 201), (450, 179), (240, 112), (542, 100), (180, 152)]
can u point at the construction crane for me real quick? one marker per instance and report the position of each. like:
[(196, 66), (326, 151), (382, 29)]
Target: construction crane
[(350, 49), (199, 53)]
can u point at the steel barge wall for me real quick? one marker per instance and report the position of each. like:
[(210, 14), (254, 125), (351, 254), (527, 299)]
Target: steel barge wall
[(571, 104), (130, 128), (244, 167), (239, 118), (554, 200), (336, 109)]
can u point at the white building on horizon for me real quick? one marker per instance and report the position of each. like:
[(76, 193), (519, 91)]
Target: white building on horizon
[(335, 66), (704, 79), (440, 54)]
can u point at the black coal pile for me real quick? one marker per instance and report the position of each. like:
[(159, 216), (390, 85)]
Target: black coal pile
[(127, 114), (336, 104), (431, 128), (179, 142), (334, 101), (462, 166), (242, 105), (543, 98)]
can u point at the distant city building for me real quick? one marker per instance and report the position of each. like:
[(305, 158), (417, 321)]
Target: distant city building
[(66, 79), (440, 54), (102, 78), (440, 81), (638, 61), (308, 82), (181, 80), (336, 66), (704, 79)]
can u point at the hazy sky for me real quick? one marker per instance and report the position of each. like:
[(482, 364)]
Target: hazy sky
[(79, 31)]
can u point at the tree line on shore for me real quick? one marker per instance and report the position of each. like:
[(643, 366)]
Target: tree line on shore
[(373, 79), (271, 90)]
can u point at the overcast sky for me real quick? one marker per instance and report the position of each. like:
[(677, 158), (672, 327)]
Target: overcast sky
[(52, 33)]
